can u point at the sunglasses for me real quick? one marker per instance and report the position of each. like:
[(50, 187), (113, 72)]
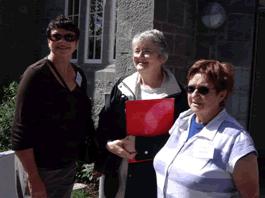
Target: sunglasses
[(203, 90), (66, 37)]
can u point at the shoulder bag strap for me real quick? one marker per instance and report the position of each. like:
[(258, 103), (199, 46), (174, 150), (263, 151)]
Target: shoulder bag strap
[(57, 73)]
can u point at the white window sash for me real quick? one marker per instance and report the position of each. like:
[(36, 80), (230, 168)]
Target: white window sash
[(86, 50)]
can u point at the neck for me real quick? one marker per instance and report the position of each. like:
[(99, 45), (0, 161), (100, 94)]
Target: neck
[(207, 117), (152, 80), (60, 63)]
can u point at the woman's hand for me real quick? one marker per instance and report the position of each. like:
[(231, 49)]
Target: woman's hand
[(124, 148), (37, 187)]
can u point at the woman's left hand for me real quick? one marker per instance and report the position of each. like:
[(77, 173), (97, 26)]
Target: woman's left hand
[(124, 148)]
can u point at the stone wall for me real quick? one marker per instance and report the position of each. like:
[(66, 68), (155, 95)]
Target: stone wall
[(132, 17), (176, 19), (232, 42), (190, 40)]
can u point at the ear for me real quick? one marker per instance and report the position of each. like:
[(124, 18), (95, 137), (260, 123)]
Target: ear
[(48, 41), (162, 59), (223, 94)]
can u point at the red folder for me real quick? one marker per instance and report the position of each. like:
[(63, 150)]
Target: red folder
[(149, 117)]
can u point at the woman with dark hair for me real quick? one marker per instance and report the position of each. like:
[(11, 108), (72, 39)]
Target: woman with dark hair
[(53, 115), (209, 154)]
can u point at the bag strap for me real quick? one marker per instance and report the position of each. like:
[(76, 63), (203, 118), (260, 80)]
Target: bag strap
[(57, 74)]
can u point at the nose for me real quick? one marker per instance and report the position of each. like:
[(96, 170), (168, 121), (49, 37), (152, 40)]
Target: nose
[(195, 93), (140, 54)]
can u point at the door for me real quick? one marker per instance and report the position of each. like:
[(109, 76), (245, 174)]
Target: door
[(257, 116)]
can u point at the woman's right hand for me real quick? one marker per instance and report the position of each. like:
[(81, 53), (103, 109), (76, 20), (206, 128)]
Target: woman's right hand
[(117, 147), (37, 187)]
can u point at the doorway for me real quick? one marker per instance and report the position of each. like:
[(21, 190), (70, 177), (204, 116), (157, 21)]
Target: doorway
[(256, 127)]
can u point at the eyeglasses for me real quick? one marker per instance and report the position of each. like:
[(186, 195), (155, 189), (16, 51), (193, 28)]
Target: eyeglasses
[(66, 37), (145, 52), (203, 90)]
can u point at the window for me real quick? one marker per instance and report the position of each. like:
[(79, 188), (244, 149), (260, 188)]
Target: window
[(72, 11), (94, 32)]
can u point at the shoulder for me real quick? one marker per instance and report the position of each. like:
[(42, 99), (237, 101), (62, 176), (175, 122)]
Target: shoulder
[(231, 130), (129, 79), (182, 121), (32, 76), (34, 70), (186, 113), (39, 65), (230, 125), (126, 85)]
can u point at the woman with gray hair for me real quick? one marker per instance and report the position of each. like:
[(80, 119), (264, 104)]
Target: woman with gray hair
[(150, 81)]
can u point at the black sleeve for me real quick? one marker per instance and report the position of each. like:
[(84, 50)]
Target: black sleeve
[(25, 112), (111, 126)]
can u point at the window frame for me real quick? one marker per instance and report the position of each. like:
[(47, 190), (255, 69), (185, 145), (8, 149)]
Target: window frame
[(86, 46)]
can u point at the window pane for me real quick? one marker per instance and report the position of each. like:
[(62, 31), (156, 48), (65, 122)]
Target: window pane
[(91, 48), (99, 6), (73, 13), (70, 6), (76, 7), (92, 6), (95, 29), (98, 48), (91, 25), (98, 24), (74, 19)]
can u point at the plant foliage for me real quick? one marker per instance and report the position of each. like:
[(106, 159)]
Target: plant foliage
[(7, 110)]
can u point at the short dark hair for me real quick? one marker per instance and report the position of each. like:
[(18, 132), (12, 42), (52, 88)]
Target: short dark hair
[(62, 22)]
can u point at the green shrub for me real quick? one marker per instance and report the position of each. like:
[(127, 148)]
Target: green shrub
[(7, 110), (79, 194), (85, 172)]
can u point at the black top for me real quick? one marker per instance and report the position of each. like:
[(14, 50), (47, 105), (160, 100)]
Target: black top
[(141, 178), (50, 118)]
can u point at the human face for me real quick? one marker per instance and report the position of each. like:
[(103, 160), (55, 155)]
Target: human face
[(146, 56), (60, 42), (205, 105)]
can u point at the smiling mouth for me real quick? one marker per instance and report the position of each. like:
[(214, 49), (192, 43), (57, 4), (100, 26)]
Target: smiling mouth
[(142, 63), (196, 103), (63, 48)]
